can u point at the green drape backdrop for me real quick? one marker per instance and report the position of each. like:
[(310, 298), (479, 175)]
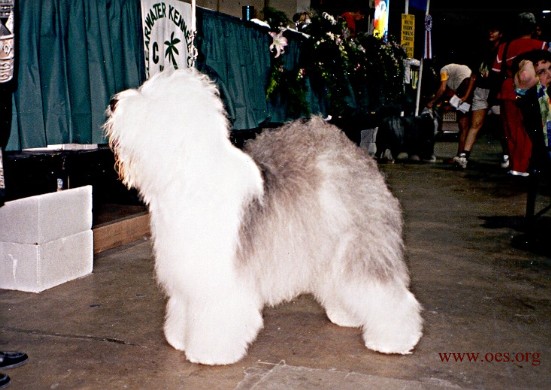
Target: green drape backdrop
[(237, 58), (72, 56), (236, 55)]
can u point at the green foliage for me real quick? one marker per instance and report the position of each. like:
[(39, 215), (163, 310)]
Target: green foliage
[(344, 68)]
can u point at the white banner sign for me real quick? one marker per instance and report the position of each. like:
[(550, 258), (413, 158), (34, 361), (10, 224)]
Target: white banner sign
[(7, 42), (167, 34)]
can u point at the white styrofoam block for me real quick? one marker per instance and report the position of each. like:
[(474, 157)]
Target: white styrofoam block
[(47, 217), (37, 267)]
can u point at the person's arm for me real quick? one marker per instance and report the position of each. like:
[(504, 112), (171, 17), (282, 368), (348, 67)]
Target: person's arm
[(470, 88), (525, 78), (439, 93)]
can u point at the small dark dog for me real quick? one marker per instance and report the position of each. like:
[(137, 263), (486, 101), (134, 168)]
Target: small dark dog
[(412, 135)]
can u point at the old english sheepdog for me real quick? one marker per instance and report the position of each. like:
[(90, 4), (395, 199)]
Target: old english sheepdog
[(302, 210)]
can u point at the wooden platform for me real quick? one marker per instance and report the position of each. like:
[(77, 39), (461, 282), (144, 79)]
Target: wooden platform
[(116, 225)]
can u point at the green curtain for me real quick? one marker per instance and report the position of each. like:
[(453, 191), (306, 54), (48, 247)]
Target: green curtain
[(73, 56), (236, 55)]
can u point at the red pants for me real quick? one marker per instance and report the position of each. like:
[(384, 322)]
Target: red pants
[(518, 142)]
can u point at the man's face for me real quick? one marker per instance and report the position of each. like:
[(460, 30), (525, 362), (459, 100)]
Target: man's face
[(543, 71), (494, 35)]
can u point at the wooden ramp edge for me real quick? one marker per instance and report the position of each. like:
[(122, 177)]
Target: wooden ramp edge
[(123, 231)]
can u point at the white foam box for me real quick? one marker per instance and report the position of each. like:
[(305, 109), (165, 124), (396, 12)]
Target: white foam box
[(46, 240)]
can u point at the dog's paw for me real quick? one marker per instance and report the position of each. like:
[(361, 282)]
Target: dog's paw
[(392, 344), (399, 333), (175, 339), (341, 318), (174, 326), (217, 348), (174, 336), (218, 358), (222, 333)]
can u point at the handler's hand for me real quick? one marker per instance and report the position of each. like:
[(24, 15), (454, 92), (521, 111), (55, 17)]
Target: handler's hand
[(526, 77)]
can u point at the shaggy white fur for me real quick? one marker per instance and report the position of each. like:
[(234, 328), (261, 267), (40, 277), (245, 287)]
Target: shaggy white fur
[(300, 210)]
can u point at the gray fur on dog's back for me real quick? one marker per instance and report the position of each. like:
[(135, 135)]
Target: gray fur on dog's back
[(317, 180)]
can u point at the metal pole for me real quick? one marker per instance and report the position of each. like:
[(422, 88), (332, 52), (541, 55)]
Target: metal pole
[(418, 100), (192, 56)]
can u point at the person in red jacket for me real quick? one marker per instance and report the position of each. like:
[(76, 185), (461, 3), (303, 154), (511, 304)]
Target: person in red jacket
[(518, 141)]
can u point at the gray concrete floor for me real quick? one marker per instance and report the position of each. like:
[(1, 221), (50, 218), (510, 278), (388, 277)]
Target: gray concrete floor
[(480, 296)]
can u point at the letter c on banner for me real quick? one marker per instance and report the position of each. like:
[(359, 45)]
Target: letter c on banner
[(155, 50)]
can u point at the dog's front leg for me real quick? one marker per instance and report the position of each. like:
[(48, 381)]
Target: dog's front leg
[(220, 329), (175, 322)]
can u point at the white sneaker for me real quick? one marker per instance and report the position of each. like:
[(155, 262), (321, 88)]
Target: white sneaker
[(517, 173), (461, 161), (431, 159), (504, 161)]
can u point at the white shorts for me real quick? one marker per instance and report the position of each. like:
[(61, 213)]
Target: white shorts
[(480, 99)]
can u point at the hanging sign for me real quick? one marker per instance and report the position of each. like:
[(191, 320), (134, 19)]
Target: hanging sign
[(408, 34), (167, 32), (380, 19)]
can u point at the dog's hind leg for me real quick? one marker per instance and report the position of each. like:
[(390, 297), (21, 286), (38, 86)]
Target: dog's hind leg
[(340, 315), (174, 326), (387, 312), (339, 312), (390, 315), (329, 291)]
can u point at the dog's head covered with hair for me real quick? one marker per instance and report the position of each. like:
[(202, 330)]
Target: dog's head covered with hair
[(300, 210), (151, 112)]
